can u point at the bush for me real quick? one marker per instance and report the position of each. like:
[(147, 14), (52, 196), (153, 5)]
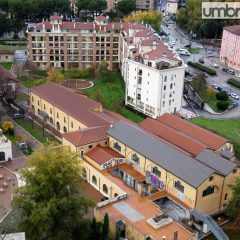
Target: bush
[(234, 82), (222, 96), (222, 105), (203, 68)]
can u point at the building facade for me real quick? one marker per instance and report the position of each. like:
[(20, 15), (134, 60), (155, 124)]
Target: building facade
[(153, 73), (5, 148), (6, 55), (230, 47)]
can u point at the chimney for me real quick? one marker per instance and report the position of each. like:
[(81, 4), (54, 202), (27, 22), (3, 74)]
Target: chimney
[(43, 27), (74, 24)]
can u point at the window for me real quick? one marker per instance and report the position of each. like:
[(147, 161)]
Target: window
[(90, 146), (94, 180), (135, 158), (38, 103), (165, 78), (64, 129), (50, 111), (156, 171), (225, 196), (211, 179), (164, 88), (57, 115), (44, 107), (32, 99), (163, 104), (139, 96), (84, 173), (105, 189), (117, 146), (64, 119), (208, 191), (178, 186), (71, 124), (235, 170), (171, 85)]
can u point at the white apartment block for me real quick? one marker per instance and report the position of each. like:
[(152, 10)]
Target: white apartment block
[(152, 72), (5, 148)]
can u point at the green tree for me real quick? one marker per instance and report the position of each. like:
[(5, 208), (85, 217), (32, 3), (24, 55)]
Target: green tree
[(151, 17), (103, 73), (98, 96), (105, 228), (92, 6), (126, 6), (233, 208), (95, 230), (51, 203), (200, 83)]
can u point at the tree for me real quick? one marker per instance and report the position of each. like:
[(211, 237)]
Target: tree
[(211, 92), (103, 73), (105, 228), (7, 126), (151, 17), (20, 138), (98, 96), (55, 76), (32, 68), (233, 208), (92, 6), (200, 82), (51, 204), (126, 6), (95, 230)]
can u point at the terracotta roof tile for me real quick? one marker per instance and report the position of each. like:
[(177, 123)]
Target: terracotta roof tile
[(74, 104), (86, 136), (7, 52), (56, 17), (101, 18), (202, 135), (102, 154), (173, 136)]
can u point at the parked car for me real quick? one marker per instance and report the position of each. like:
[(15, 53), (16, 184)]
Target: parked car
[(22, 145), (237, 75), (206, 75), (18, 116), (188, 73), (235, 96), (195, 105), (215, 86), (171, 46), (173, 42), (230, 71), (233, 105), (185, 53), (201, 60), (215, 65), (219, 89), (225, 70)]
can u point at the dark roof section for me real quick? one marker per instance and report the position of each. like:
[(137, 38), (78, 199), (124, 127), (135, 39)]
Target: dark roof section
[(86, 136), (173, 136), (7, 52), (235, 29), (227, 154), (202, 135), (182, 166), (7, 75), (74, 104), (216, 162)]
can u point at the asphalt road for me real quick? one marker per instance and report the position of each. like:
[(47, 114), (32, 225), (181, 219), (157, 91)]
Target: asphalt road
[(220, 79)]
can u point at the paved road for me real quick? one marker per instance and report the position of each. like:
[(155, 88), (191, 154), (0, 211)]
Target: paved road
[(220, 79)]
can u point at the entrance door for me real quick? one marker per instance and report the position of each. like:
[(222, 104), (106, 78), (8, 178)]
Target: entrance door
[(2, 156)]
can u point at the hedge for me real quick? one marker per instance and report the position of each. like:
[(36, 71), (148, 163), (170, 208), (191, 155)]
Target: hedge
[(234, 82), (222, 105), (203, 68), (222, 96)]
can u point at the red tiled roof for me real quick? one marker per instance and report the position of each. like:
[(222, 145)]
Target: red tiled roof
[(9, 52), (101, 18), (159, 53), (6, 74), (102, 154), (143, 33), (86, 136), (149, 42), (235, 29), (74, 104), (55, 17), (173, 136), (202, 135)]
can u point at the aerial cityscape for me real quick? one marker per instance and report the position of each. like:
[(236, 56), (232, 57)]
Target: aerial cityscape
[(120, 119)]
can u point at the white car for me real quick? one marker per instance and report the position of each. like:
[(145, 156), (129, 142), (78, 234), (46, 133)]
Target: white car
[(215, 65), (237, 75), (235, 96), (215, 86), (173, 43)]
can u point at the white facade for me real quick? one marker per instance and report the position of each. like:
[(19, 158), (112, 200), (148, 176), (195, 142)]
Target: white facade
[(172, 7), (5, 149)]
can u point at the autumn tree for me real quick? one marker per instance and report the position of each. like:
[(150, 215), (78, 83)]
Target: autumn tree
[(51, 204), (55, 76), (7, 126), (151, 17), (20, 138)]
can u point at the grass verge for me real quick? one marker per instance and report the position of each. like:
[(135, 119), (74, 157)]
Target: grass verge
[(9, 47), (6, 65), (226, 128), (193, 50), (234, 82)]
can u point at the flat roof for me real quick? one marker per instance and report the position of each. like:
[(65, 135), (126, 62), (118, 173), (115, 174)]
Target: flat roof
[(164, 155)]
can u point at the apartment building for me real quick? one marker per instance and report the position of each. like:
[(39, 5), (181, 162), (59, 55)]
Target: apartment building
[(6, 55), (230, 47), (153, 73)]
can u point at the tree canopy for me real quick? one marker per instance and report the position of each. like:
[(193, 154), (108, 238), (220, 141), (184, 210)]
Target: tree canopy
[(93, 5), (151, 17), (125, 7), (51, 204), (54, 75)]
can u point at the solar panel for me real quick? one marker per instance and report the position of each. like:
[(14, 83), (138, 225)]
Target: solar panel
[(129, 212)]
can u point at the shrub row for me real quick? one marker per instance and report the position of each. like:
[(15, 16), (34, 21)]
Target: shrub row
[(203, 68), (234, 82)]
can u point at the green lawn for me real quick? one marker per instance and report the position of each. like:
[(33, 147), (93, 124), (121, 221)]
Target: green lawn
[(31, 82), (22, 97), (9, 47), (10, 137), (112, 96), (193, 50), (229, 129), (36, 131), (7, 65)]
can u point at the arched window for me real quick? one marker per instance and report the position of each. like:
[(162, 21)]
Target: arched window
[(115, 195), (84, 173), (64, 129), (94, 180), (105, 188), (2, 156), (209, 190), (51, 120), (58, 126)]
